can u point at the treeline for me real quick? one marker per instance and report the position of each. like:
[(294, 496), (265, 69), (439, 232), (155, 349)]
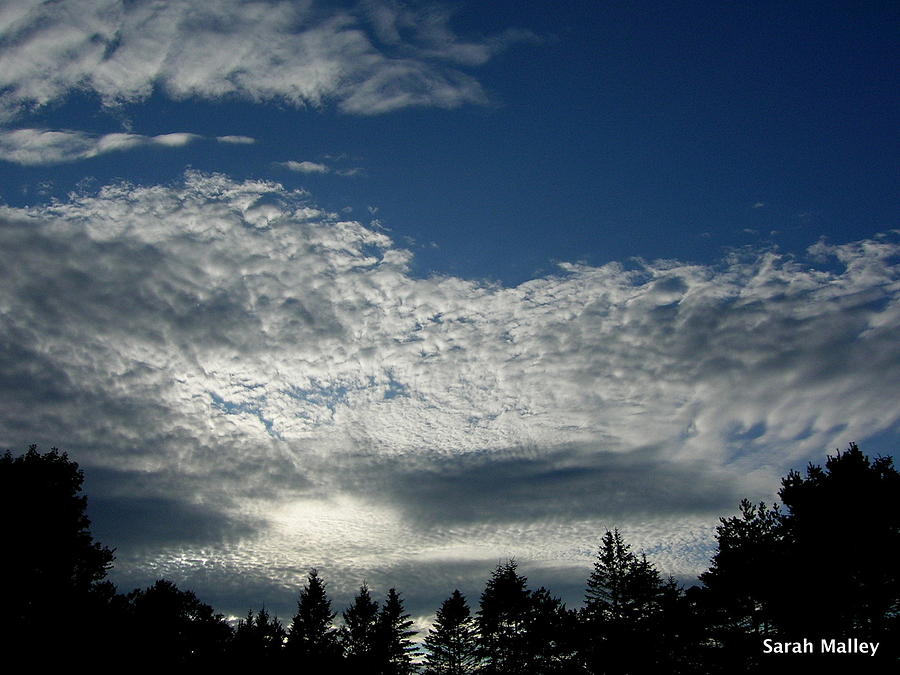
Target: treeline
[(821, 566)]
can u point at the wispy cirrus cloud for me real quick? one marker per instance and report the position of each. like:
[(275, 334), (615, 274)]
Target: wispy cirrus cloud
[(368, 58), (232, 353)]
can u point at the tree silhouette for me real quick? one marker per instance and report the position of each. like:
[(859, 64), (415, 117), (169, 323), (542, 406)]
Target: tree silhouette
[(825, 568), (745, 581), (258, 639), (835, 514), (170, 626), (452, 641), (622, 609), (51, 565), (312, 638), (552, 636), (394, 650), (359, 632), (503, 620)]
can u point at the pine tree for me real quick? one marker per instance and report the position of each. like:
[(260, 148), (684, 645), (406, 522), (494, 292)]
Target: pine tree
[(359, 633), (394, 649), (452, 641), (312, 638)]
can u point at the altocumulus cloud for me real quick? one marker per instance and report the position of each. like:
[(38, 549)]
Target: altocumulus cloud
[(228, 355), (369, 58)]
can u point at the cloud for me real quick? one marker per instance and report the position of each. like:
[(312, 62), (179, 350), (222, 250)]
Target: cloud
[(319, 168), (367, 59), (306, 167), (235, 354), (38, 147), (236, 140)]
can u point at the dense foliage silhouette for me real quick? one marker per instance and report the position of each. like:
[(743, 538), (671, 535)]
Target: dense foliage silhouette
[(822, 565), (51, 566)]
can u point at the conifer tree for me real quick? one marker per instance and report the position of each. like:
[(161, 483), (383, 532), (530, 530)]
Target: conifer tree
[(257, 639), (394, 649), (622, 603), (503, 620), (359, 632), (452, 641), (552, 636), (312, 638)]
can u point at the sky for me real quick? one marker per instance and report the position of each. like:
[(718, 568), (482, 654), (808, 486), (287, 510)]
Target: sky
[(403, 290)]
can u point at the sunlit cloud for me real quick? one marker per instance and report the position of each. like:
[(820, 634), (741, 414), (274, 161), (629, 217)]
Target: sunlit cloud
[(36, 147), (306, 166), (368, 59), (231, 352), (236, 140)]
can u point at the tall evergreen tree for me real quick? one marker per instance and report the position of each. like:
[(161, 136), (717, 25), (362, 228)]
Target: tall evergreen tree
[(503, 621), (359, 632), (622, 602), (394, 649), (452, 641), (312, 638)]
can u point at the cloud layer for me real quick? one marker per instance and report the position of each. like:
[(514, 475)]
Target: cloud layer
[(230, 353), (368, 58)]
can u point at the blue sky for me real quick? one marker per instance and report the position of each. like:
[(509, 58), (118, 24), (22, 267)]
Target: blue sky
[(398, 289)]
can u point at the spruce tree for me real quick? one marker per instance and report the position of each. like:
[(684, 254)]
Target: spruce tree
[(359, 633), (503, 620), (452, 641), (394, 649), (622, 604), (312, 638)]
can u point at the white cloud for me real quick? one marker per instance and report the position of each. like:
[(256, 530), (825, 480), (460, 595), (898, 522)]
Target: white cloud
[(233, 346), (34, 147), (305, 167), (301, 53), (174, 140), (236, 140)]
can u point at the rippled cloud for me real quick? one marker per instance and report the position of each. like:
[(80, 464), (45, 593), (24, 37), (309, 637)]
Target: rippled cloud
[(232, 356)]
